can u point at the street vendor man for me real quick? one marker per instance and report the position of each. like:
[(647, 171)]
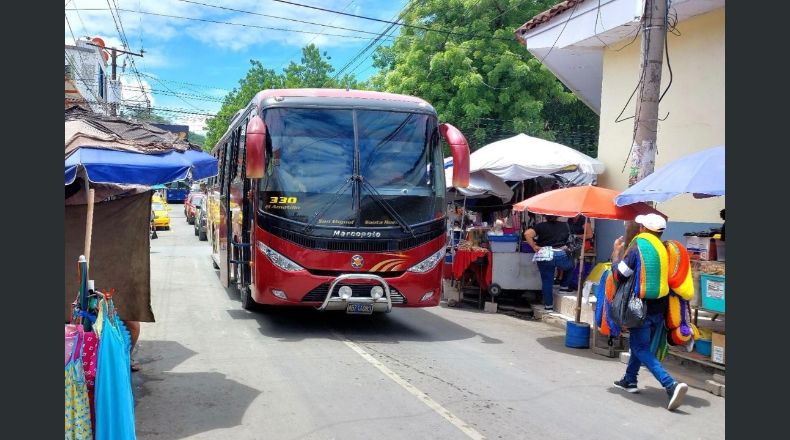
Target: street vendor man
[(646, 259)]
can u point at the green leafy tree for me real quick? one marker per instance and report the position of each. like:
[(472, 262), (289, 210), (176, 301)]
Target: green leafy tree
[(478, 76), (198, 139)]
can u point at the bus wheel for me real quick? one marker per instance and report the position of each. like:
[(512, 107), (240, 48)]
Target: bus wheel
[(247, 303)]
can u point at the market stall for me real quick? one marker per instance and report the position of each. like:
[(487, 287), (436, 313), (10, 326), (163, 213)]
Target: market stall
[(117, 160), (500, 174)]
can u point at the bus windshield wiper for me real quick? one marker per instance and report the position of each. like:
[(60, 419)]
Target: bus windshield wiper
[(387, 207), (321, 212)]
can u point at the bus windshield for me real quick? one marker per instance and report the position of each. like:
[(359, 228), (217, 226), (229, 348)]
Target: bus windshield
[(342, 167)]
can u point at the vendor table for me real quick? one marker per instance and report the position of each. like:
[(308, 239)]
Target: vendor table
[(464, 259)]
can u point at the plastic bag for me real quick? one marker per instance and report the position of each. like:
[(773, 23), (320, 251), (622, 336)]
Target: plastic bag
[(628, 310), (545, 253)]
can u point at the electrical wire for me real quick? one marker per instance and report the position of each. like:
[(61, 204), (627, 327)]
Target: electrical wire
[(205, 20), (561, 31), (277, 17), (425, 28)]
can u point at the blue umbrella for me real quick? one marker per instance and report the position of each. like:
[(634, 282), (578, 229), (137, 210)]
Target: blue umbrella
[(124, 167), (700, 174)]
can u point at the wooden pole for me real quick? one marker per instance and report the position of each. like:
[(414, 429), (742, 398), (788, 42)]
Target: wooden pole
[(581, 271)]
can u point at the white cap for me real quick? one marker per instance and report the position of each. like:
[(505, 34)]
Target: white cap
[(654, 222)]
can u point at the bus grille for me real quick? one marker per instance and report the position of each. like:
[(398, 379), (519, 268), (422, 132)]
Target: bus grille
[(364, 245), (357, 290)]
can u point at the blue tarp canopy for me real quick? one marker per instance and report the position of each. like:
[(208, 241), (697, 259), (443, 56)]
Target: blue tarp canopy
[(700, 174), (123, 167)]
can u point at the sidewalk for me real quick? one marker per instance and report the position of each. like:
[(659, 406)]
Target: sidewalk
[(705, 376)]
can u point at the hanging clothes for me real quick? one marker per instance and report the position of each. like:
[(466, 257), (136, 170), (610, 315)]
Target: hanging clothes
[(78, 416), (114, 400)]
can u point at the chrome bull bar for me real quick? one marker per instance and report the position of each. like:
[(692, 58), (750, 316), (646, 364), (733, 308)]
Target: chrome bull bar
[(332, 303)]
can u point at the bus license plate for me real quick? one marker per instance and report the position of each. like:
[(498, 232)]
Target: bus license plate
[(359, 309)]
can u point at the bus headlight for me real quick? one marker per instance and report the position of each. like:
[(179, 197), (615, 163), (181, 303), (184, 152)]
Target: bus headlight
[(278, 259), (428, 263)]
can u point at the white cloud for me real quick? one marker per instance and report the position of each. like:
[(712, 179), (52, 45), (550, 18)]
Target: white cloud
[(132, 94)]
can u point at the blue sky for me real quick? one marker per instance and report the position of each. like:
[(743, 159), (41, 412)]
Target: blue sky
[(201, 61)]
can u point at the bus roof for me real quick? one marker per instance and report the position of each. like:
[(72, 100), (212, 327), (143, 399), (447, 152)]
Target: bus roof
[(335, 93)]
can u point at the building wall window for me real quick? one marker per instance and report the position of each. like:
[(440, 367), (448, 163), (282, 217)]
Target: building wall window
[(101, 83)]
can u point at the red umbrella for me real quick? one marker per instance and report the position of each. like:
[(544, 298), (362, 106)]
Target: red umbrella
[(589, 201)]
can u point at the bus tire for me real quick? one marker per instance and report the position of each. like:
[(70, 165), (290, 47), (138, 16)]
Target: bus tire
[(247, 303)]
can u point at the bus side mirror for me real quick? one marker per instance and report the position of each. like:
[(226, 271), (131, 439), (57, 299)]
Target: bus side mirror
[(460, 150), (255, 146)]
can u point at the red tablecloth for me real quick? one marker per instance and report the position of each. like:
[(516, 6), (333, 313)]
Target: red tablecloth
[(463, 260)]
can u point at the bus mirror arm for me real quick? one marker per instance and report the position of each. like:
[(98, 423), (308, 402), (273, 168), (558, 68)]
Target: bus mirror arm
[(460, 151), (255, 146)]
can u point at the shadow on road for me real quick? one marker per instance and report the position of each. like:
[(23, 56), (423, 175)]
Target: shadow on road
[(293, 324), (172, 406), (557, 343), (657, 398)]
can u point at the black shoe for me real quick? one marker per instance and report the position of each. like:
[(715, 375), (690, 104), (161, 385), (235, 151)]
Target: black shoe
[(566, 289), (676, 393), (623, 385), (548, 308)]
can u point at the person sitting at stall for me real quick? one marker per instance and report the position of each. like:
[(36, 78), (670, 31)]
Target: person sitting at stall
[(721, 214), (554, 234), (581, 227)]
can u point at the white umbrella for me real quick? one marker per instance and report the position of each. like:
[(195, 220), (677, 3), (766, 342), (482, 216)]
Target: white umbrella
[(481, 184), (524, 157)]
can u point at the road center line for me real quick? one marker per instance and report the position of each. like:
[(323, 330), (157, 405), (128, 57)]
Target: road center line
[(435, 406)]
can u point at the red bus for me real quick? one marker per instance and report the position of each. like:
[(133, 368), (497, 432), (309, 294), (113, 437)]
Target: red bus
[(333, 199)]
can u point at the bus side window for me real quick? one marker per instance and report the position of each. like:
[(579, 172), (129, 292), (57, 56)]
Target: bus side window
[(234, 144), (241, 149)]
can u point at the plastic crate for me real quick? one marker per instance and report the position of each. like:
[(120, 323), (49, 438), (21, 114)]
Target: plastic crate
[(712, 292), (503, 243)]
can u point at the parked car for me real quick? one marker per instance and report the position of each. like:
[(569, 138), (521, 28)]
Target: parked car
[(201, 219), (189, 206), (161, 215)]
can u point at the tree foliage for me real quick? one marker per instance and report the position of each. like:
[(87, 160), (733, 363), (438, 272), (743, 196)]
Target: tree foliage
[(314, 71), (480, 78)]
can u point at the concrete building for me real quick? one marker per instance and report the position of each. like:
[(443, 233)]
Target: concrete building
[(593, 47), (88, 80)]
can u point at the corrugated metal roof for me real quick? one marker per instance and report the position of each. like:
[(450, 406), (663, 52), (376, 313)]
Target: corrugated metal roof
[(84, 128)]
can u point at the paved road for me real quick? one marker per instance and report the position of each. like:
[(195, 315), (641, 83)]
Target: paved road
[(211, 370)]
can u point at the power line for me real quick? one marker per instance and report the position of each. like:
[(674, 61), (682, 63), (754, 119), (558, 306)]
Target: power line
[(125, 42), (561, 31), (148, 75), (425, 28), (276, 17), (371, 44), (229, 23), (316, 36), (161, 109)]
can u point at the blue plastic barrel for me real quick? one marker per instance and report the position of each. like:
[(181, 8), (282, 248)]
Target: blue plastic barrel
[(577, 335)]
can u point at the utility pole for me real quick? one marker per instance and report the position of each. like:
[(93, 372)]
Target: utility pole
[(114, 55), (643, 150)]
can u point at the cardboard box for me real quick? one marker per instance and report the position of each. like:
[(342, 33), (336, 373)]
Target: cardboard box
[(700, 248), (717, 352)]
